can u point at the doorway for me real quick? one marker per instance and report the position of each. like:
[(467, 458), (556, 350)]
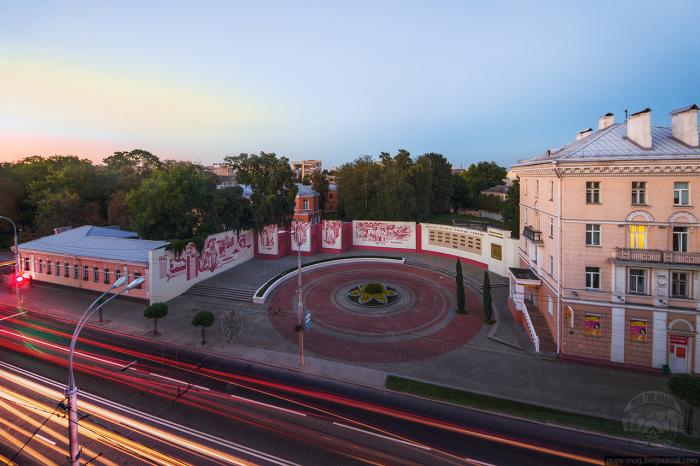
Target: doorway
[(678, 356)]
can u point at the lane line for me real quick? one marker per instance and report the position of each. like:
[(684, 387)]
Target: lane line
[(13, 315), (248, 400), (411, 444), (41, 437), (179, 381)]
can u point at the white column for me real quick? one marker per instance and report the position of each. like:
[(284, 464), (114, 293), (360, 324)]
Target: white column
[(696, 289), (618, 286), (659, 347), (617, 345)]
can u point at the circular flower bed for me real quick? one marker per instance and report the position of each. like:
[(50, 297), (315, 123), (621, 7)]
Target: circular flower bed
[(373, 295)]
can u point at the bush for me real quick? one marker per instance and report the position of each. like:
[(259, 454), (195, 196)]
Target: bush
[(156, 311), (459, 282), (203, 319), (488, 305), (373, 288)]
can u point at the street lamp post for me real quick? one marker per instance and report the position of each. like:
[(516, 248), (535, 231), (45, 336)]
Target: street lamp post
[(298, 239), (72, 389), (17, 290)]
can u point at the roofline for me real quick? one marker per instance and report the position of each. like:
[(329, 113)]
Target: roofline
[(620, 158), (84, 255)]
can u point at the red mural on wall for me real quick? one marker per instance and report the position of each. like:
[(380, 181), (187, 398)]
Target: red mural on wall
[(268, 237), (331, 232), (382, 232), (300, 232), (218, 251)]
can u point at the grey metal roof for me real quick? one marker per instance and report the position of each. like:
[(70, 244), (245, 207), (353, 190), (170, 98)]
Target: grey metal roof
[(332, 187), (611, 143), (304, 190), (96, 242), (499, 188), (683, 109)]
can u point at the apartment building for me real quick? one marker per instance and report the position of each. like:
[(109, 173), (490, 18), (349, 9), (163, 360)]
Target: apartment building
[(303, 168), (610, 244)]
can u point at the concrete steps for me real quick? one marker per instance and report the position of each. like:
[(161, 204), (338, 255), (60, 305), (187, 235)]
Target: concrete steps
[(547, 343), (477, 285), (221, 292)]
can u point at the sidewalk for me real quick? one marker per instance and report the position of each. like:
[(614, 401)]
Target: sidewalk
[(477, 366)]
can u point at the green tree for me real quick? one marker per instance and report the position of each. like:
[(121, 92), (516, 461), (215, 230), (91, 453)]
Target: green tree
[(203, 319), (488, 305), (319, 183), (156, 311), (175, 203), (117, 211), (459, 282), (272, 182), (480, 176), (232, 210), (687, 388), (358, 189), (511, 209), (460, 192), (57, 209), (396, 194), (441, 181)]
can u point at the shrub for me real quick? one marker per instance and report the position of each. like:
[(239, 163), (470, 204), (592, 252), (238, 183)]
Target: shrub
[(203, 319), (488, 305), (156, 311), (459, 282)]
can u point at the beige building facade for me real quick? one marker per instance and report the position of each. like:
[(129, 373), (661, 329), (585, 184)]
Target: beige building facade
[(610, 244)]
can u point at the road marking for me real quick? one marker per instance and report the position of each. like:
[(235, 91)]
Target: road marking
[(179, 381), (128, 365), (422, 447), (477, 462), (248, 400), (13, 315), (49, 441)]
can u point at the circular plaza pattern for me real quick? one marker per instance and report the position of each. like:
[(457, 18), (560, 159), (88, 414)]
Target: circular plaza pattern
[(376, 312)]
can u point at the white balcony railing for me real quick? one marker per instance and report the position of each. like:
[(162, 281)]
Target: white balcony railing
[(531, 329), (657, 255)]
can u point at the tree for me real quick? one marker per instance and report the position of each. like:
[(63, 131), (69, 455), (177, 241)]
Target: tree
[(479, 177), (687, 388), (460, 192), (156, 311), (175, 203), (511, 209), (117, 211), (272, 181), (135, 162), (442, 181), (459, 282), (319, 183), (488, 305), (232, 210), (203, 319)]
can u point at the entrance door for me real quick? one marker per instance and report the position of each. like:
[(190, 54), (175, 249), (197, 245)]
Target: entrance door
[(678, 354)]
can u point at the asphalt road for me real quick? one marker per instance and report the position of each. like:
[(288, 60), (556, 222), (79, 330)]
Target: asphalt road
[(285, 413)]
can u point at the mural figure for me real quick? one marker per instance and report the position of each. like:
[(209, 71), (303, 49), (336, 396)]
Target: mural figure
[(382, 232), (331, 232), (268, 237), (300, 232)]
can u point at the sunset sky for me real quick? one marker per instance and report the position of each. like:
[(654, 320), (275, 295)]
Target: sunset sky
[(334, 80)]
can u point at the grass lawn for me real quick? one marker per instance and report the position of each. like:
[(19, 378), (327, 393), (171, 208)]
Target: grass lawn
[(446, 219), (523, 410)]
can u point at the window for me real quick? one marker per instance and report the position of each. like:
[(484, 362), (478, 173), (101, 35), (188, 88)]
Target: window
[(638, 236), (550, 306), (26, 264), (117, 274), (592, 234), (85, 272), (526, 187), (593, 278), (679, 284), (48, 267), (137, 275), (639, 192), (592, 192), (551, 265), (41, 265), (306, 204), (551, 190), (637, 281), (551, 227), (106, 277), (58, 269), (75, 272), (525, 209), (681, 193), (96, 274), (537, 187), (680, 239)]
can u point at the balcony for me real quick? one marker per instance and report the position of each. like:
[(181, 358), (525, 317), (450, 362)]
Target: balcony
[(533, 235), (657, 256)]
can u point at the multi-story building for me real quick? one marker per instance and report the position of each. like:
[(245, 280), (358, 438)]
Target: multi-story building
[(304, 168), (306, 207), (330, 205), (610, 244)]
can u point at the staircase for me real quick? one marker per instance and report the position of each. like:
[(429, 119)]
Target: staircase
[(541, 329), (221, 292), (475, 284)]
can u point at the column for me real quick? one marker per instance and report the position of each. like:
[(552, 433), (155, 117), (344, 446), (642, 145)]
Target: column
[(697, 345), (617, 344), (659, 345)]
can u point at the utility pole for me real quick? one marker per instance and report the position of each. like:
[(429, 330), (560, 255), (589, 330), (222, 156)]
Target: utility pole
[(300, 303)]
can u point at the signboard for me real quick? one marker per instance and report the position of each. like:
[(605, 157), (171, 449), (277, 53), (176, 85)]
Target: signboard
[(592, 325), (638, 330), (307, 321), (384, 234), (679, 340)]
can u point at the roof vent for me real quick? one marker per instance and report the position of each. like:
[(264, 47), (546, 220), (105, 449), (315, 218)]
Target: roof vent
[(61, 230), (582, 134), (639, 128), (606, 121), (684, 124)]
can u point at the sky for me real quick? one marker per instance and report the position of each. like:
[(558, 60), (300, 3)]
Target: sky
[(333, 80)]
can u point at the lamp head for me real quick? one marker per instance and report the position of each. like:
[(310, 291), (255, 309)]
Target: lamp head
[(135, 283), (120, 281)]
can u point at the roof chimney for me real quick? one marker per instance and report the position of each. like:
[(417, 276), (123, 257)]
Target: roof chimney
[(606, 120), (639, 128), (583, 133), (684, 124)]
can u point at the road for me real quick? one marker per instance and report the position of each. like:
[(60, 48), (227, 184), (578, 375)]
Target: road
[(232, 406)]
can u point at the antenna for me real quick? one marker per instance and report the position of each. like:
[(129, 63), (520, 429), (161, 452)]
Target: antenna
[(625, 115)]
